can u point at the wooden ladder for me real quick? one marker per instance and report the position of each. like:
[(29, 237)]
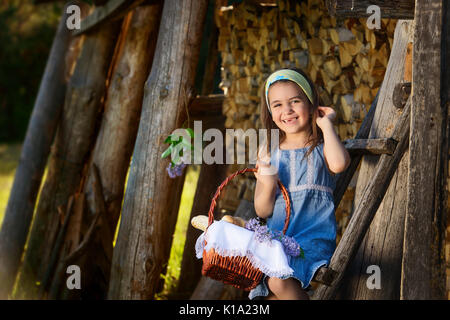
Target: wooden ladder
[(391, 151)]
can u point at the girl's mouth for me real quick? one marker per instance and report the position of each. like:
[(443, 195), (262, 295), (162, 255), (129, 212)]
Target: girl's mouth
[(289, 121)]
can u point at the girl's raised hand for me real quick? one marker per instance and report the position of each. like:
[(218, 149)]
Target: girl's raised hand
[(324, 114), (266, 174)]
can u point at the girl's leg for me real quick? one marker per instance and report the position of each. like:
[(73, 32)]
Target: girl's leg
[(288, 289), (271, 296)]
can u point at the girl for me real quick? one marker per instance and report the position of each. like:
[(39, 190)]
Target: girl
[(309, 155)]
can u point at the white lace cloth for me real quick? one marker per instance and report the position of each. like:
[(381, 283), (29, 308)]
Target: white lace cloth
[(230, 240)]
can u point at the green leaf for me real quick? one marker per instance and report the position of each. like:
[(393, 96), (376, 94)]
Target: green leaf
[(168, 139), (167, 152), (186, 144), (302, 253), (191, 132)]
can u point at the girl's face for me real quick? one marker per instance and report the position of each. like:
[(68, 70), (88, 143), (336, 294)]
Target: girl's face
[(290, 111)]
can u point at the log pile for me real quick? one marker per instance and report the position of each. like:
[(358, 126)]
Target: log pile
[(344, 58)]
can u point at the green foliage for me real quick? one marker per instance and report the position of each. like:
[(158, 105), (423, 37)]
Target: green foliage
[(26, 35), (176, 146)]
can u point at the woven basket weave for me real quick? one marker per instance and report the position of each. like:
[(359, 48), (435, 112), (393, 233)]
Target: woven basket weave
[(237, 270)]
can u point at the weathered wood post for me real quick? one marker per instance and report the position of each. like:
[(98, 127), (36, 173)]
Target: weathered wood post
[(397, 9), (423, 271), (36, 148), (73, 142), (382, 245), (111, 155), (148, 215)]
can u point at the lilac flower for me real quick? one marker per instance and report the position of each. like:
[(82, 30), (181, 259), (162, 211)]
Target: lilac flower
[(291, 247), (262, 234), (176, 170), (252, 224)]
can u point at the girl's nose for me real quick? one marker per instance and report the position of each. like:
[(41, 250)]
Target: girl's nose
[(287, 107)]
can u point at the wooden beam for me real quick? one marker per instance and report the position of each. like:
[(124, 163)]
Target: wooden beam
[(423, 269), (73, 142), (208, 105), (112, 10), (383, 242), (370, 146), (367, 207), (36, 148), (396, 9), (114, 147), (151, 197)]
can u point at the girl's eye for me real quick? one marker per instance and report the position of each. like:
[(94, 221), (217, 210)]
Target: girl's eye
[(296, 101)]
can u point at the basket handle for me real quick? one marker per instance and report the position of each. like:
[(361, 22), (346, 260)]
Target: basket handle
[(242, 171)]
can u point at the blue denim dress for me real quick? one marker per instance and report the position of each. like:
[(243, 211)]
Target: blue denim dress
[(313, 221)]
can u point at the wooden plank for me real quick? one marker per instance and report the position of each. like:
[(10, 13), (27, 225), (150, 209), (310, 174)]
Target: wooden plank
[(73, 142), (396, 9), (370, 146), (36, 148), (206, 106), (382, 245), (115, 143), (367, 207), (423, 271), (151, 199), (111, 10)]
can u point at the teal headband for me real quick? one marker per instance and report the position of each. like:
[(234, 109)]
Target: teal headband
[(288, 74)]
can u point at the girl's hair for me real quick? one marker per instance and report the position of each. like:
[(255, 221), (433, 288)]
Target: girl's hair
[(316, 136)]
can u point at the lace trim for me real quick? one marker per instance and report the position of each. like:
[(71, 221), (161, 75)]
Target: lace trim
[(292, 168), (310, 187), (254, 260), (310, 171)]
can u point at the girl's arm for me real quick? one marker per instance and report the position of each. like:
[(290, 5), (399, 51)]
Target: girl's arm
[(265, 191), (336, 156), (266, 185)]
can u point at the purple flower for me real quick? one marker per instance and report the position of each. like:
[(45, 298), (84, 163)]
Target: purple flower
[(176, 170), (252, 224), (291, 247), (262, 234)]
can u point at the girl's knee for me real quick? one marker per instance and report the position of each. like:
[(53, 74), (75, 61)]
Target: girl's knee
[(277, 285)]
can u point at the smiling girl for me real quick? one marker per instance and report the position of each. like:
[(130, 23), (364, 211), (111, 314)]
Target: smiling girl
[(306, 161)]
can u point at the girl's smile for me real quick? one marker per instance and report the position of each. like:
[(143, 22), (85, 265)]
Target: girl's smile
[(292, 120)]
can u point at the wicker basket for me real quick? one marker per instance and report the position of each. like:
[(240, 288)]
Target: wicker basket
[(236, 270)]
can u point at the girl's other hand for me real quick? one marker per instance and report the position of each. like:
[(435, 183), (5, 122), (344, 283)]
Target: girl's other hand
[(324, 115)]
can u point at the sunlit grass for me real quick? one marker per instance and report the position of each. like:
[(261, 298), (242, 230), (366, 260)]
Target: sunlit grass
[(176, 254), (9, 159)]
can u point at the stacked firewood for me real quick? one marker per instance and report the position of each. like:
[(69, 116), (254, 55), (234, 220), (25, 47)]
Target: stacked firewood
[(344, 58)]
